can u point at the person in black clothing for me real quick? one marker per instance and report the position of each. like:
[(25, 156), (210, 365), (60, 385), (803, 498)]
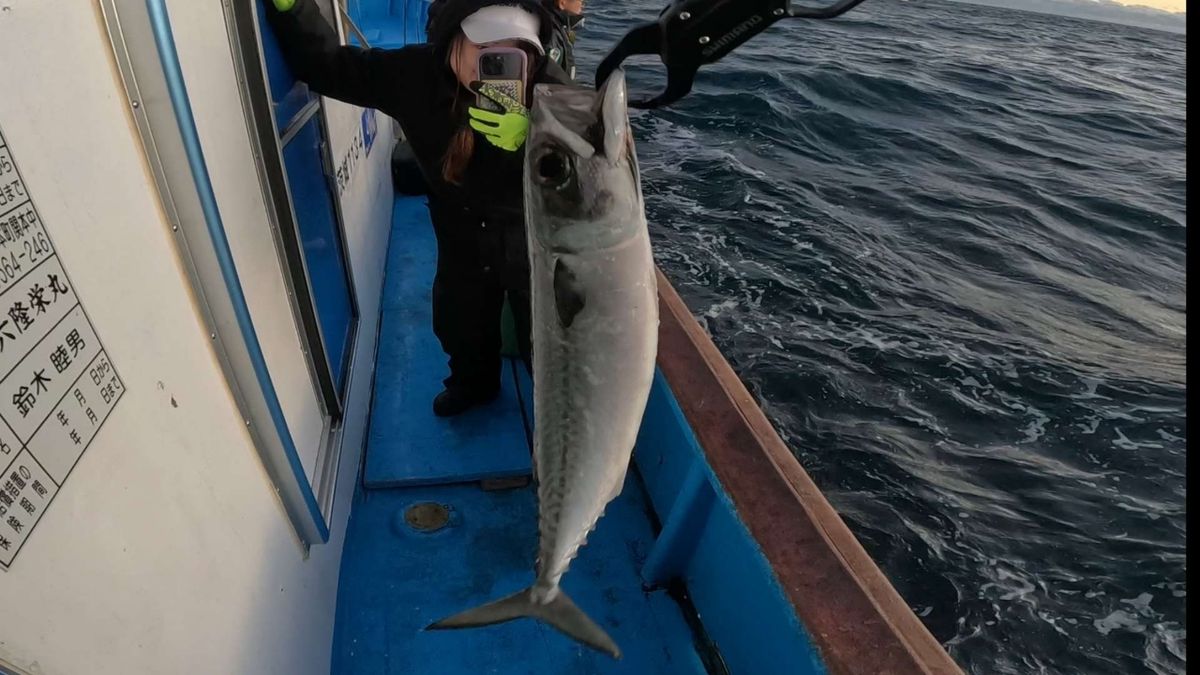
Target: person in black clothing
[(474, 177), (569, 14)]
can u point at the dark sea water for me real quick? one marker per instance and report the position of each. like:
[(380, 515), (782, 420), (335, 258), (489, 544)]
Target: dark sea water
[(945, 245)]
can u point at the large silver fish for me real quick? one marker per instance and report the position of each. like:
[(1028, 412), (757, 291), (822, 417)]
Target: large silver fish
[(595, 334)]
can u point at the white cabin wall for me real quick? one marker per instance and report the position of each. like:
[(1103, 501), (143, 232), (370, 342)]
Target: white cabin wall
[(208, 69), (166, 550)]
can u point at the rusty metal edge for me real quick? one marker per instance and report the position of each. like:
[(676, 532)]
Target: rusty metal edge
[(858, 620)]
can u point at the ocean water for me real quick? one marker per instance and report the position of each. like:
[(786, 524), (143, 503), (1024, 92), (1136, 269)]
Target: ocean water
[(944, 244)]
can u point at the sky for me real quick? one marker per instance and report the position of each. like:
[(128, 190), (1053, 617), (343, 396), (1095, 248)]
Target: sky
[(1168, 15), (1167, 5)]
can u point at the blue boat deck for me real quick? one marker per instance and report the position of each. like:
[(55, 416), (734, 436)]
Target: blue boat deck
[(406, 444), (396, 579)]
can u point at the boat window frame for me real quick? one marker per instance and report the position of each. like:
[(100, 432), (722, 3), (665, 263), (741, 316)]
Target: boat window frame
[(245, 41)]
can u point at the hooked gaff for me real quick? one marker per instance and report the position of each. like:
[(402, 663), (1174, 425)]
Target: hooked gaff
[(692, 33)]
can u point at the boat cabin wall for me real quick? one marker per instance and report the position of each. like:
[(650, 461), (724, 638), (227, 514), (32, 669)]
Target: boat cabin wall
[(155, 519)]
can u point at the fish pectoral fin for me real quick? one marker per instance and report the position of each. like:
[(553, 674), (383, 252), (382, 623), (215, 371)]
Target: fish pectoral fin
[(561, 613), (568, 296)]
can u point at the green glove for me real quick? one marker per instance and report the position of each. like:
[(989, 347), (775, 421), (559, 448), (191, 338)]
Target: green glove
[(284, 5), (506, 130)]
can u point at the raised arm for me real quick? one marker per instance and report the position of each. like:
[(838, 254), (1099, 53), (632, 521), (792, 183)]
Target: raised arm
[(363, 77)]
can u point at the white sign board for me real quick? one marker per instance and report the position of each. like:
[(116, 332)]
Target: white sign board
[(57, 384)]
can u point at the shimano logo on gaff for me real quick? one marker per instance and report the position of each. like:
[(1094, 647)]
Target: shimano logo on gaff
[(732, 35)]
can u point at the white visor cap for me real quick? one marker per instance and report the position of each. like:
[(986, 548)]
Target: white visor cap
[(502, 22)]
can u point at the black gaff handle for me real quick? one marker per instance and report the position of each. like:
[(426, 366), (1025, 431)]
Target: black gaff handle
[(691, 33)]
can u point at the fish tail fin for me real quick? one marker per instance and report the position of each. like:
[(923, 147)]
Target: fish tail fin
[(560, 612)]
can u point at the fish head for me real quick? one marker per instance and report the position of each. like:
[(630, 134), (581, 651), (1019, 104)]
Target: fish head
[(582, 188)]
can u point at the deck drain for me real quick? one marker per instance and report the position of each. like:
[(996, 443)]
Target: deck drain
[(426, 516)]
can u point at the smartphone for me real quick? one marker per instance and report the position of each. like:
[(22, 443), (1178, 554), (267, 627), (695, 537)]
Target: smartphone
[(504, 68)]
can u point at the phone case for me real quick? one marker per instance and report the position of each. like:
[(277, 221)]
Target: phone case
[(514, 88)]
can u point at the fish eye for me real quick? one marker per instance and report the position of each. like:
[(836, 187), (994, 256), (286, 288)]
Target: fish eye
[(553, 168)]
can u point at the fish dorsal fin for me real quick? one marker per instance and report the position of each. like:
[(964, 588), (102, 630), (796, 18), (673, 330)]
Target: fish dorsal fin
[(568, 296)]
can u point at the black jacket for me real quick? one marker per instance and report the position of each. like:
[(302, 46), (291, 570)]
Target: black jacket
[(414, 85), (561, 47)]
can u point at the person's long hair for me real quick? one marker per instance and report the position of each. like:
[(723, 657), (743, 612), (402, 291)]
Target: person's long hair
[(462, 143)]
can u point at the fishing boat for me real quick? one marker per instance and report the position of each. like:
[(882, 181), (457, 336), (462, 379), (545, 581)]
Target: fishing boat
[(218, 450)]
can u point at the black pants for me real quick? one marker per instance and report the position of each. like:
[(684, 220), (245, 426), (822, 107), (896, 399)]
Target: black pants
[(479, 262)]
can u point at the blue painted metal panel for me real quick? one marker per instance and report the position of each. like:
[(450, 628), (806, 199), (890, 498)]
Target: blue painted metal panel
[(676, 543), (406, 444), (321, 242), (390, 24), (745, 612)]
